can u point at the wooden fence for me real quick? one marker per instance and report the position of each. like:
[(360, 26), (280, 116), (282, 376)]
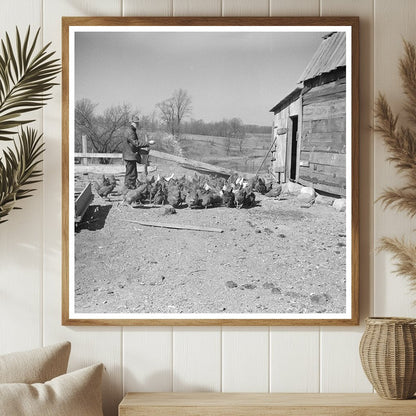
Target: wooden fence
[(191, 164)]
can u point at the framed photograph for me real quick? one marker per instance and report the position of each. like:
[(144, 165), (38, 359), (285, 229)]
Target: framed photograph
[(210, 171)]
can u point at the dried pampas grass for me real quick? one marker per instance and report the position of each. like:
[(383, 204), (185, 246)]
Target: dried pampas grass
[(404, 254), (401, 143)]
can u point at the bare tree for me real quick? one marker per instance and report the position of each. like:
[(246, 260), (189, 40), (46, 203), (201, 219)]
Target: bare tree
[(167, 115), (174, 109), (238, 131), (84, 120), (106, 131), (150, 122), (183, 106)]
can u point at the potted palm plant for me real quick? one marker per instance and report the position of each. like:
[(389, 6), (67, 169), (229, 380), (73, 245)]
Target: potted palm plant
[(26, 78), (388, 346)]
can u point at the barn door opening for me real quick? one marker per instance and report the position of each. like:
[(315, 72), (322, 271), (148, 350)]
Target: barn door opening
[(294, 148)]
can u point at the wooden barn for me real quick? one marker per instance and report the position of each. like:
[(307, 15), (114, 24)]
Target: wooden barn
[(309, 124)]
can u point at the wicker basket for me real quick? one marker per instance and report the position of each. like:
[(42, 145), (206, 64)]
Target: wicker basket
[(388, 356)]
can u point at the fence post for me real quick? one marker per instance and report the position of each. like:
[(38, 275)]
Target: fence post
[(84, 160)]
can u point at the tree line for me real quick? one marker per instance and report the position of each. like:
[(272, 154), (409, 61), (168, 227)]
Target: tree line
[(106, 131), (233, 127)]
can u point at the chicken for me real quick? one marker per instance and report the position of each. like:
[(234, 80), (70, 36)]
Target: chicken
[(199, 191), (219, 183), (112, 180), (106, 187), (123, 190), (249, 200), (228, 198), (161, 195), (260, 186), (175, 197), (231, 179), (154, 189), (96, 186), (252, 182), (194, 201), (136, 195), (206, 199), (245, 198), (106, 190), (209, 199), (207, 187), (269, 186), (275, 191), (240, 196), (105, 181)]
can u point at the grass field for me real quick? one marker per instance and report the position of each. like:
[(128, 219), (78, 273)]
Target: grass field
[(225, 152), (221, 151)]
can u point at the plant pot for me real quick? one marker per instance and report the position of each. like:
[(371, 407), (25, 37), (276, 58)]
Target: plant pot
[(388, 356)]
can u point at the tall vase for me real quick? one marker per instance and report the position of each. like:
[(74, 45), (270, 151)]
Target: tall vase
[(388, 356)]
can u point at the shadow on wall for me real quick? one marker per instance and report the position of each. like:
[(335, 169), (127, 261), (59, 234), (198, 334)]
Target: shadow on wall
[(87, 8), (111, 399), (160, 381)]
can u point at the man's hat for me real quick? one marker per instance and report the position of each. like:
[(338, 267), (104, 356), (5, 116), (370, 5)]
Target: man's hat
[(135, 119)]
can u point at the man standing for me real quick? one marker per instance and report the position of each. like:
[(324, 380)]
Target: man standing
[(136, 142)]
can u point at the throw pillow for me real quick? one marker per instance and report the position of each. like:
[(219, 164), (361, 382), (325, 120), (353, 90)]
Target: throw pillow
[(35, 366), (73, 394)]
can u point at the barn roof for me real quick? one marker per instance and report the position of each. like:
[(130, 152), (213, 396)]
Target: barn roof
[(292, 96), (329, 56)]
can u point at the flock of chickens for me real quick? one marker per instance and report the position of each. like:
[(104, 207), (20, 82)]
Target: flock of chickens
[(200, 191)]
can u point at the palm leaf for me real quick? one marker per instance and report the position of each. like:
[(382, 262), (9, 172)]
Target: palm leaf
[(25, 79), (18, 170)]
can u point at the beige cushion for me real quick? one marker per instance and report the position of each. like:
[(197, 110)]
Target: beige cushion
[(35, 366), (73, 394)]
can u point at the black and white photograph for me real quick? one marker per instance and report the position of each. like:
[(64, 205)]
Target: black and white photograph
[(210, 172)]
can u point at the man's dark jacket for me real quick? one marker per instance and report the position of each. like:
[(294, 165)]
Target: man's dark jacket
[(133, 146)]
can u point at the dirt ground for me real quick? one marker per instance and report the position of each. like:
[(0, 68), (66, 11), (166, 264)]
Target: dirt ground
[(274, 258)]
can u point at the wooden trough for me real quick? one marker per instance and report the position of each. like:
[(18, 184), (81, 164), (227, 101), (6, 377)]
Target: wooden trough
[(82, 202)]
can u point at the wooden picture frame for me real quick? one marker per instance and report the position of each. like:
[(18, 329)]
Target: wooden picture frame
[(330, 73)]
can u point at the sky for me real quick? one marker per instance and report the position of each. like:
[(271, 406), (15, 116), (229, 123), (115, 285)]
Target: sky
[(226, 74)]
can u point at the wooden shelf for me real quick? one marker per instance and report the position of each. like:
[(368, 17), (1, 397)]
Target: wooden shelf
[(262, 404)]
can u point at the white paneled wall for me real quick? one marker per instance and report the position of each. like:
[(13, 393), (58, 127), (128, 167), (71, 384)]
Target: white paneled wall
[(245, 359), (245, 8), (191, 370), (294, 8), (21, 238), (294, 351), (205, 8), (147, 7), (260, 359), (148, 359), (336, 343), (390, 294), (89, 345)]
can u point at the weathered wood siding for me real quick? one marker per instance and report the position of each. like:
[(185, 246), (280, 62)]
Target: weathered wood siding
[(323, 146), (281, 120)]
